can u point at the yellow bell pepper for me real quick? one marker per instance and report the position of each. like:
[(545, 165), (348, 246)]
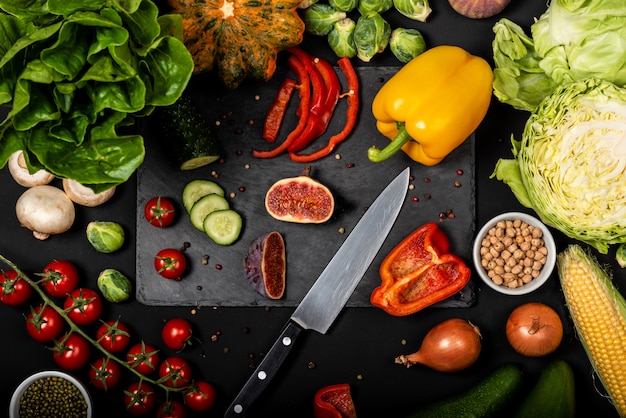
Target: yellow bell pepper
[(432, 104)]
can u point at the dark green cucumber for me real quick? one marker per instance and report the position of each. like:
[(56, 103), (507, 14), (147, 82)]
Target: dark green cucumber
[(485, 399), (188, 134), (553, 396)]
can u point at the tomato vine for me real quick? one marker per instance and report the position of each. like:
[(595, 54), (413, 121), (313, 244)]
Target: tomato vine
[(74, 328)]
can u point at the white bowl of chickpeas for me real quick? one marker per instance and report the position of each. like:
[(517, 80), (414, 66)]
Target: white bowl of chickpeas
[(514, 253)]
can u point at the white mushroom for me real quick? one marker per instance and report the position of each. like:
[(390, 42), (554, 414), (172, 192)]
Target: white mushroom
[(20, 173), (45, 210), (84, 195)]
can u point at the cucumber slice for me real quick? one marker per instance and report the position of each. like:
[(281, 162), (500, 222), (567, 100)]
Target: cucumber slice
[(223, 226), (196, 189), (204, 206)]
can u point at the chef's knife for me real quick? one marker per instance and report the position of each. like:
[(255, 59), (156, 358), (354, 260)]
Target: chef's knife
[(330, 292)]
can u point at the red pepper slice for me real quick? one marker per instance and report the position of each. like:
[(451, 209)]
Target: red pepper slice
[(419, 272), (352, 112), (334, 401), (277, 110), (319, 120), (318, 89), (303, 109)]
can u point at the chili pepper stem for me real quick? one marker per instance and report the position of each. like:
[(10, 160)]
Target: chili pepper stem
[(377, 155)]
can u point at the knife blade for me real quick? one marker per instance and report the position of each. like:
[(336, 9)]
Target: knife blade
[(332, 289)]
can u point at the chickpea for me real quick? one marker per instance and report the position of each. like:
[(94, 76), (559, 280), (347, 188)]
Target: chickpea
[(513, 253)]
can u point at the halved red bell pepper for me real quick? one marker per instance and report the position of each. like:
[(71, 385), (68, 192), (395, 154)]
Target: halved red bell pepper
[(419, 272), (334, 401)]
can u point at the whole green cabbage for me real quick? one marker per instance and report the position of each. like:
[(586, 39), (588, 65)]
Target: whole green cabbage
[(570, 165), (573, 40)]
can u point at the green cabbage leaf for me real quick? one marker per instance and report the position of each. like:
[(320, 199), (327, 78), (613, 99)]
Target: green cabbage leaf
[(570, 165), (573, 40)]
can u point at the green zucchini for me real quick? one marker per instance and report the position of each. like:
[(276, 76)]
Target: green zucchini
[(188, 134), (196, 189), (553, 396), (204, 206), (485, 399)]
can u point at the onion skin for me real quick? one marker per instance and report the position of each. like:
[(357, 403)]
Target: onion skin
[(450, 346), (534, 329), (478, 9)]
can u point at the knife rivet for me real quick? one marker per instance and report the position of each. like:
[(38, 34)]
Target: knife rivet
[(262, 375), (286, 341), (238, 409)]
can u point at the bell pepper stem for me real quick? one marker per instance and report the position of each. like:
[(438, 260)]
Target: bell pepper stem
[(377, 155)]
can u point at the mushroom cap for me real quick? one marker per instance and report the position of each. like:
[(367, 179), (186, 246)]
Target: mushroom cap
[(45, 210), (23, 177), (84, 195)]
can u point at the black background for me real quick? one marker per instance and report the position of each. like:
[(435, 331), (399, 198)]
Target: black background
[(360, 347)]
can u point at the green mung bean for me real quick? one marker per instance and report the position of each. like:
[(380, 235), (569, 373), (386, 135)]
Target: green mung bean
[(52, 397)]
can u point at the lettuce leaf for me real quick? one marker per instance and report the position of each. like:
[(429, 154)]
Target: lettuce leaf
[(74, 73)]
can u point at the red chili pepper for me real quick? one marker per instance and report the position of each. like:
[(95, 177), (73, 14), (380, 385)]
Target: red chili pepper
[(318, 122), (303, 109), (276, 112), (352, 112), (334, 401), (318, 89), (419, 272)]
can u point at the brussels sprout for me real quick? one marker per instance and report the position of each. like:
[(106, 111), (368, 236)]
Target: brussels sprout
[(304, 4), (413, 9), (105, 237), (620, 255), (320, 18), (343, 5), (374, 6), (406, 44), (115, 287), (341, 38), (371, 35)]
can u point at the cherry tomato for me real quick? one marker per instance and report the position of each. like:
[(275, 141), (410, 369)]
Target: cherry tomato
[(175, 372), (200, 396), (159, 211), (13, 290), (139, 398), (71, 352), (143, 357), (104, 373), (83, 306), (172, 409), (176, 333), (170, 263), (44, 324), (59, 278), (113, 336)]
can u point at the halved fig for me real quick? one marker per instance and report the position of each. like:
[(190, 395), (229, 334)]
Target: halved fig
[(300, 199), (265, 265)]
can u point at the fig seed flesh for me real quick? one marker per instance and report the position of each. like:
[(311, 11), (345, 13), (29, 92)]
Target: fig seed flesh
[(300, 199), (265, 265)]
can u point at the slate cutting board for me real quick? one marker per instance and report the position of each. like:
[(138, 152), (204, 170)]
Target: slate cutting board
[(237, 118)]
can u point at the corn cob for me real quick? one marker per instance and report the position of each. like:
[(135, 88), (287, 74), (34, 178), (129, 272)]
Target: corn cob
[(598, 311)]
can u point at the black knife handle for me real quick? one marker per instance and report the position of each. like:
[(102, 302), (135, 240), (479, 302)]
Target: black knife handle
[(266, 370)]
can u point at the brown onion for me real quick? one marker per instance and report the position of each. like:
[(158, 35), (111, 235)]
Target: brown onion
[(534, 329), (451, 346)]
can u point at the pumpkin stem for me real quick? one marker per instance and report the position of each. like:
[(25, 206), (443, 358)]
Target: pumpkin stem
[(228, 9)]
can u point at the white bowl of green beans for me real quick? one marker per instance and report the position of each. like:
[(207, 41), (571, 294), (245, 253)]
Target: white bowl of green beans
[(50, 394)]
